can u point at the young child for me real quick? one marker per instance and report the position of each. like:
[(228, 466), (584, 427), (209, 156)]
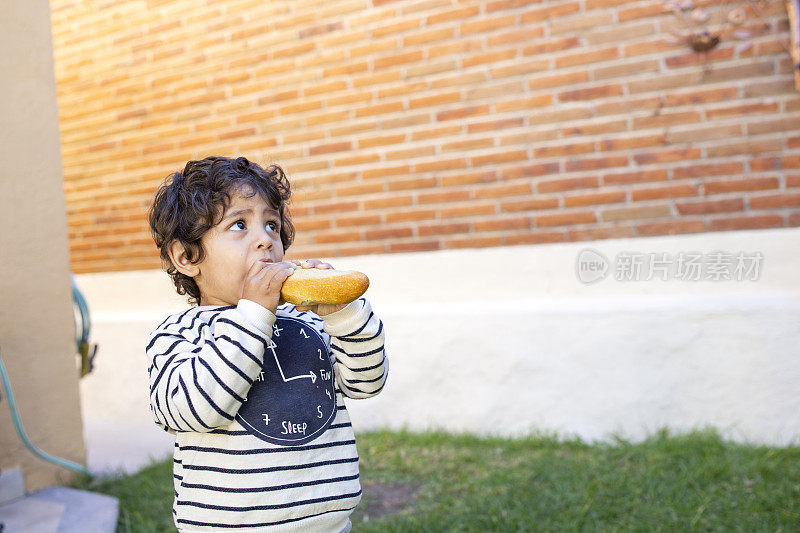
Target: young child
[(252, 387)]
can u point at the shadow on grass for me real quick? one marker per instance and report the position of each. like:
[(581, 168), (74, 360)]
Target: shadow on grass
[(382, 499)]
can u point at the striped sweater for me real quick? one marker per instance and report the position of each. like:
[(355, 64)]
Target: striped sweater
[(263, 441)]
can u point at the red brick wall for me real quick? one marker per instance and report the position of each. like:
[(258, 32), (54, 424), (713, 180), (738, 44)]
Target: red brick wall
[(425, 124)]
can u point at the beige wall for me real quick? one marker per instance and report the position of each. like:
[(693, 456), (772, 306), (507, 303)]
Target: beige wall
[(36, 325)]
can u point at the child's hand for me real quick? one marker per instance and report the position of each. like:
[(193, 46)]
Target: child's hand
[(320, 309), (264, 281)]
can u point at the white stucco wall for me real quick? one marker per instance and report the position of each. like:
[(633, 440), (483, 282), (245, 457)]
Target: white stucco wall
[(509, 340)]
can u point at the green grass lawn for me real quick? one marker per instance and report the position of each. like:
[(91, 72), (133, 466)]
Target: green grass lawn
[(443, 482)]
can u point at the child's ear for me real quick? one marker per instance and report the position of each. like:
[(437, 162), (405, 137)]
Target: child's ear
[(180, 259)]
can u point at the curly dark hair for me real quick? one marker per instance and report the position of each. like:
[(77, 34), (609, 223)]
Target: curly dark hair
[(191, 202)]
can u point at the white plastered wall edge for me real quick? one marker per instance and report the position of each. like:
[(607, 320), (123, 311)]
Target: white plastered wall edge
[(509, 340)]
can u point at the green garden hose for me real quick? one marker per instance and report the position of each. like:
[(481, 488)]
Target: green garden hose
[(87, 358), (24, 437), (82, 330)]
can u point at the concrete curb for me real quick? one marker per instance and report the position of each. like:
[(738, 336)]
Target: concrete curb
[(60, 510)]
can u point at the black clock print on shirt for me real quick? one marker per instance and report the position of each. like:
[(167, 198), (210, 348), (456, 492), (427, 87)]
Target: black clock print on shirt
[(293, 400)]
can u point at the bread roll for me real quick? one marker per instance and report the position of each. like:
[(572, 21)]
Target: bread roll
[(312, 286)]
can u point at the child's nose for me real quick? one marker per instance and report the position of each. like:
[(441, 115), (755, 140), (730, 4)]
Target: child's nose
[(262, 239)]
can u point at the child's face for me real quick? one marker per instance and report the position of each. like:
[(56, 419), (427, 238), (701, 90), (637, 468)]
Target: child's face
[(248, 232)]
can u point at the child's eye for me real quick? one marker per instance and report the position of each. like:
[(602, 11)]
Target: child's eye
[(238, 225), (273, 226)]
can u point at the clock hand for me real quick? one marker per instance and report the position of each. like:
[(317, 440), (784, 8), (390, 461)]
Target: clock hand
[(310, 375)]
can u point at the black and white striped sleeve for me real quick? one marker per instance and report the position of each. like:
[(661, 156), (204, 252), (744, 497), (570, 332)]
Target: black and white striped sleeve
[(202, 367), (357, 342)]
